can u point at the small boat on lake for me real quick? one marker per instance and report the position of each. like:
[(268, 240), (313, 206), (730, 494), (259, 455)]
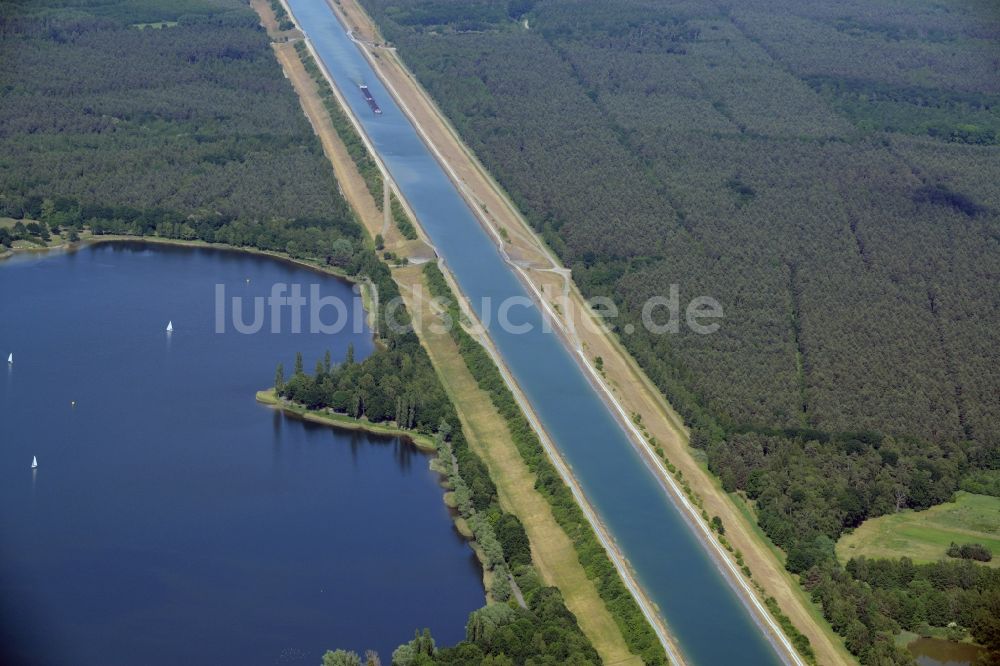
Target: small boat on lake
[(10, 359), (34, 462), (170, 326)]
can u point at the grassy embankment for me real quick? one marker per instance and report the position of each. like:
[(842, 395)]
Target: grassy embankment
[(637, 632), (490, 437), (551, 548), (924, 536)]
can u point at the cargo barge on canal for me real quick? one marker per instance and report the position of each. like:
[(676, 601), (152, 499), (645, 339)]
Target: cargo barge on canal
[(371, 100)]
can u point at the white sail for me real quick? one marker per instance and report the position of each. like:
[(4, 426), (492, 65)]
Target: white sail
[(170, 326), (34, 462), (10, 359)]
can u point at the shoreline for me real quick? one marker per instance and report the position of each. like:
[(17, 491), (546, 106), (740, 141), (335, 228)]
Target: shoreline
[(365, 288), (344, 422), (76, 246), (222, 247)]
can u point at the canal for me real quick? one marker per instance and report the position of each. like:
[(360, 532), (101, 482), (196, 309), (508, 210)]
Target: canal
[(700, 607)]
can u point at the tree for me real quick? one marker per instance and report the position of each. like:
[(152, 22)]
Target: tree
[(279, 378), (857, 637), (497, 660), (970, 551), (717, 525), (403, 655), (416, 651), (501, 588), (349, 358), (327, 365), (514, 540), (424, 643), (298, 364), (341, 658), (485, 622), (899, 494)]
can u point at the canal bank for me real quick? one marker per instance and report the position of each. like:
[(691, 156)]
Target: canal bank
[(599, 531), (667, 559), (667, 438)]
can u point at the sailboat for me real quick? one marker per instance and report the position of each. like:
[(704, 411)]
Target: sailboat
[(170, 327), (34, 462), (10, 359)]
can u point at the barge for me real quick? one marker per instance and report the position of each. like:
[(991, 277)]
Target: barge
[(371, 100)]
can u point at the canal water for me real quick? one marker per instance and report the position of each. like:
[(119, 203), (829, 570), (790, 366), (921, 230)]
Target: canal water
[(701, 608), (172, 519)]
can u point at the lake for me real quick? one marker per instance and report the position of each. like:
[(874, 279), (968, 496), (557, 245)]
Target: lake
[(172, 519)]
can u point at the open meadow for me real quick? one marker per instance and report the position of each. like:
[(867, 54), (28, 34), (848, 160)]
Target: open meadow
[(924, 536)]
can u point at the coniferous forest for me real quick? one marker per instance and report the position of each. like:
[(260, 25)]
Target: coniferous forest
[(169, 118), (830, 174)]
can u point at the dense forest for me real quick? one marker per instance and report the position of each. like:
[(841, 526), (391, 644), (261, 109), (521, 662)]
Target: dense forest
[(701, 155), (830, 174), (187, 130), (868, 600)]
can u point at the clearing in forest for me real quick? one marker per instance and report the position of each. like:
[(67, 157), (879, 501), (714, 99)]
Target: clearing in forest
[(924, 536)]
